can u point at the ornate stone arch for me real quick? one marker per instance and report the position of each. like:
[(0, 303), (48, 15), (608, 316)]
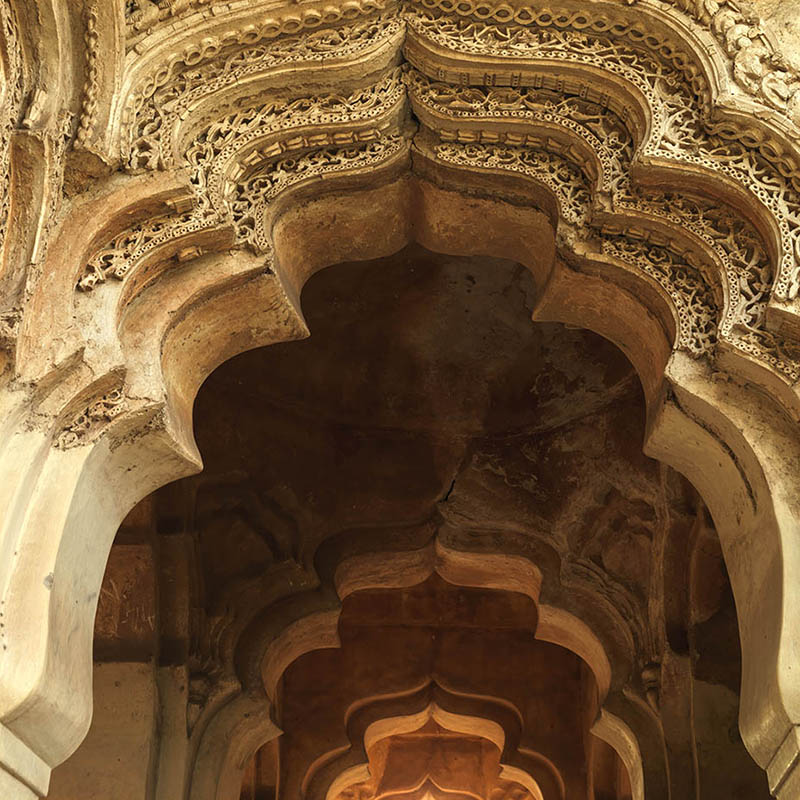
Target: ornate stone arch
[(652, 148), (492, 721), (362, 560)]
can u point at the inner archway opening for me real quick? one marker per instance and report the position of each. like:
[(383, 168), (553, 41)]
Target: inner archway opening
[(424, 407)]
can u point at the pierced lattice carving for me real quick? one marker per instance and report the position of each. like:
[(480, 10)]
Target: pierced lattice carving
[(242, 158), (161, 97), (718, 147), (563, 179), (116, 259), (737, 246), (693, 300), (11, 78), (91, 421), (500, 110), (223, 152), (678, 103)]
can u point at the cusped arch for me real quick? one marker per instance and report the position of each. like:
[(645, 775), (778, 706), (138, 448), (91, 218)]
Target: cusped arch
[(404, 569), (652, 293), (338, 774), (474, 212), (292, 627)]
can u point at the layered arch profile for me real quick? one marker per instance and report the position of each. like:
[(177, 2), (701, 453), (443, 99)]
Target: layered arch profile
[(171, 185)]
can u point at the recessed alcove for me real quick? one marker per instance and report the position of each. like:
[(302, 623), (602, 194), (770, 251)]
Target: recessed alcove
[(426, 414)]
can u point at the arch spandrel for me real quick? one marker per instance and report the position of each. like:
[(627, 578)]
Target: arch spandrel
[(641, 160)]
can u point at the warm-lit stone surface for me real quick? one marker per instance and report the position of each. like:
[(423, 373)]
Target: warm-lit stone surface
[(399, 399), (782, 20), (117, 757), (427, 404)]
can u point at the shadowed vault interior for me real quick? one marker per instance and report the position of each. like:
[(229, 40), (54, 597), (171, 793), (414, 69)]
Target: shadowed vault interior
[(426, 413)]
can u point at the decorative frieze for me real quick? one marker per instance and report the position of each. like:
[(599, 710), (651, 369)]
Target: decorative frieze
[(678, 107), (164, 98), (584, 102), (563, 179), (693, 300), (251, 201), (117, 258), (244, 160), (235, 145)]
